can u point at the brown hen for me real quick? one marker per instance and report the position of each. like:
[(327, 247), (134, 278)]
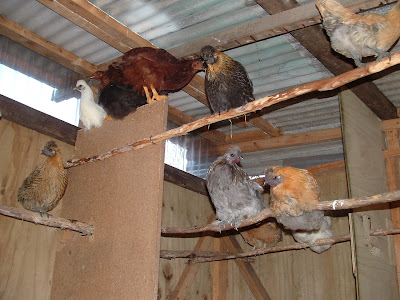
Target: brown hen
[(44, 187), (152, 69)]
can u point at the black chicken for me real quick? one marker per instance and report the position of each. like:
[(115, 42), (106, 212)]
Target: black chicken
[(119, 100), (227, 83)]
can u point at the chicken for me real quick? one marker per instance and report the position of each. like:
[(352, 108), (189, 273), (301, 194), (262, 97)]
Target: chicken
[(91, 114), (266, 235), (294, 196), (309, 237), (358, 36), (227, 83), (233, 194), (119, 100), (44, 187), (152, 69)]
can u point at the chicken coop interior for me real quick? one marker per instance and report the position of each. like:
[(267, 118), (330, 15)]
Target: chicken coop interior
[(141, 214)]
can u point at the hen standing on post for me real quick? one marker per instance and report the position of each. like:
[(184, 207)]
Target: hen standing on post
[(44, 187), (227, 83), (91, 114), (358, 36), (233, 194)]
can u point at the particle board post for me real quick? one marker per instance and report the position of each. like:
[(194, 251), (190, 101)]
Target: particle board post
[(392, 142), (122, 198), (366, 175)]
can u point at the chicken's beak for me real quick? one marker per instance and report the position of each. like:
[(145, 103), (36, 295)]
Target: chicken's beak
[(75, 88)]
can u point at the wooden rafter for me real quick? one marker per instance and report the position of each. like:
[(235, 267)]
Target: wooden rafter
[(44, 47), (313, 137), (337, 64)]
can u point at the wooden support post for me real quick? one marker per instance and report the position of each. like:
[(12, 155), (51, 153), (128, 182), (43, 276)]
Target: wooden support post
[(252, 280), (220, 277), (392, 142)]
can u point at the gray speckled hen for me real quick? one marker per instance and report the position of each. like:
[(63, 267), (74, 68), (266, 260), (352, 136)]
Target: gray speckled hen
[(233, 194)]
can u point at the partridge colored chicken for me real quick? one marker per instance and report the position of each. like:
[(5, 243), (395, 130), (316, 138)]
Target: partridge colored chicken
[(44, 187)]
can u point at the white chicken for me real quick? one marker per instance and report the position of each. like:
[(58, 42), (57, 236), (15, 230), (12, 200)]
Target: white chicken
[(91, 114)]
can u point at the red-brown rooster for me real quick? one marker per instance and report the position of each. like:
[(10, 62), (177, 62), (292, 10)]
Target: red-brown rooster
[(149, 69), (265, 236), (358, 36)]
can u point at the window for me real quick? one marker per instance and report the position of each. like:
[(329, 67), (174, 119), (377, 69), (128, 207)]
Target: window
[(33, 93)]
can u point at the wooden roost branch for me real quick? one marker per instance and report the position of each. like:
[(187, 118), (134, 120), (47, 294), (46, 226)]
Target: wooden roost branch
[(51, 221), (319, 85), (267, 213)]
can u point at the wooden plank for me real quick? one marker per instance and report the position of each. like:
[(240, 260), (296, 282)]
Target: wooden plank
[(293, 19), (390, 124), (185, 180), (250, 276), (392, 143), (328, 167), (180, 118), (122, 197), (44, 47), (312, 137), (108, 24), (374, 256), (246, 136), (220, 275), (85, 24), (31, 118), (27, 251), (336, 63), (391, 153), (190, 271)]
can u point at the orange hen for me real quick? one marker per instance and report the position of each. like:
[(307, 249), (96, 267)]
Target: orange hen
[(294, 196)]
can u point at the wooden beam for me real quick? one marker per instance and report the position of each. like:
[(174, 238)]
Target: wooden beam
[(21, 114), (390, 124), (335, 63), (252, 280), (267, 27), (185, 180), (313, 137), (220, 273), (75, 18), (180, 118), (36, 43), (190, 271)]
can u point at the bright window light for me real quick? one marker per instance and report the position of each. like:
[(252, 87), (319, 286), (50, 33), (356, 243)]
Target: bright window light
[(175, 156), (36, 94)]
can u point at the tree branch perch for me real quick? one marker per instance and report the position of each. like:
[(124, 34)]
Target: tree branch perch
[(318, 85), (267, 213), (51, 221)]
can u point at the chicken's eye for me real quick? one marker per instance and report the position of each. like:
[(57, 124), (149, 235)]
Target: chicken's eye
[(232, 155), (275, 178)]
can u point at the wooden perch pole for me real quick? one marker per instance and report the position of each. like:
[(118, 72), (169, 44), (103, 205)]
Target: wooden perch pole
[(51, 221), (218, 256), (319, 85), (266, 213)]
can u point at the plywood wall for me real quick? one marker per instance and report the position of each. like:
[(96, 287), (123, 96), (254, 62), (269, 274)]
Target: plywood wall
[(365, 164), (299, 274), (182, 207), (27, 251)]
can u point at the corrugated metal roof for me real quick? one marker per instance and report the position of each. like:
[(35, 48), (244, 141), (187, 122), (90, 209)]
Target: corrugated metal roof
[(274, 65)]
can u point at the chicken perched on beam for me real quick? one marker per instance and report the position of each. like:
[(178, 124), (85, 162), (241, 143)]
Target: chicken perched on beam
[(233, 194), (294, 196), (358, 36), (151, 71), (90, 113), (227, 83), (44, 187)]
